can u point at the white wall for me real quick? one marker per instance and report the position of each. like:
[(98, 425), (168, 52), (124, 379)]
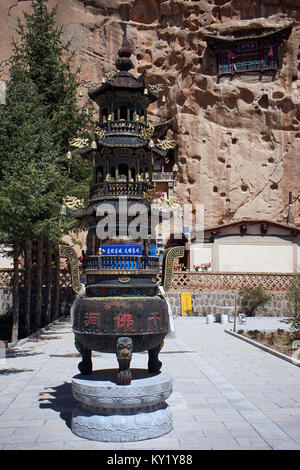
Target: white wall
[(298, 259), (200, 253), (248, 253), (255, 258), (5, 262)]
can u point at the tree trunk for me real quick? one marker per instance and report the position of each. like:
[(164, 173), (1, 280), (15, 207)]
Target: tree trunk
[(56, 286), (27, 282), (15, 322), (39, 285), (48, 285)]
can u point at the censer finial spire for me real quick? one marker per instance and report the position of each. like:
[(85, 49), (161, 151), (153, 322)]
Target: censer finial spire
[(124, 63)]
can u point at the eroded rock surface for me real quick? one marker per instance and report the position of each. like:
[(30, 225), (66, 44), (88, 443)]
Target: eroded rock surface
[(238, 137)]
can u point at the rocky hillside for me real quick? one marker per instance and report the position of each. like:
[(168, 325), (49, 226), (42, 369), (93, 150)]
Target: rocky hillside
[(238, 136)]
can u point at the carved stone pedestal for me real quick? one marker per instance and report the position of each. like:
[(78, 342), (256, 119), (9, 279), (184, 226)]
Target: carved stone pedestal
[(121, 413)]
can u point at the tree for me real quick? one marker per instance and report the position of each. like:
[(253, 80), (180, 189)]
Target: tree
[(251, 299), (293, 295), (48, 63), (19, 203), (30, 181), (40, 115)]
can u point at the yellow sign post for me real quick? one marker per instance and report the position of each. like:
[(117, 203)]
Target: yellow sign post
[(186, 303)]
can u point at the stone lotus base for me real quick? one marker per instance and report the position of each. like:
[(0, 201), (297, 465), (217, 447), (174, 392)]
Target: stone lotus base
[(121, 413)]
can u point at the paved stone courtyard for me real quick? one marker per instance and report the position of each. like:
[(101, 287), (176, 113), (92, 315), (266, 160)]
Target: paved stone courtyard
[(227, 394)]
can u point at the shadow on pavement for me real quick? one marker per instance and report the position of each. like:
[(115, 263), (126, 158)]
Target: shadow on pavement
[(51, 331), (13, 353), (61, 400), (13, 371), (44, 337)]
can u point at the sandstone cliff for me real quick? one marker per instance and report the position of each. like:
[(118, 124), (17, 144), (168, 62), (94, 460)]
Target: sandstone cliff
[(238, 137)]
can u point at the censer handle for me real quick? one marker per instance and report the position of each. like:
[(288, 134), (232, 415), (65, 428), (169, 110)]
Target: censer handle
[(170, 256), (68, 252)]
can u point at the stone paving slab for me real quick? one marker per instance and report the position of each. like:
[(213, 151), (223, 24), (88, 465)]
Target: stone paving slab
[(228, 394)]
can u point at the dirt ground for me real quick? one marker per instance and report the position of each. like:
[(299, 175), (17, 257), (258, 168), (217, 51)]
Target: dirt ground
[(280, 340)]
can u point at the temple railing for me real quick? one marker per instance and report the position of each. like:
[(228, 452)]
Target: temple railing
[(163, 176), (120, 188), (247, 66), (107, 262)]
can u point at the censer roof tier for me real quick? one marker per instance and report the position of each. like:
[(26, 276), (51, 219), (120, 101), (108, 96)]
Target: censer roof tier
[(126, 142)]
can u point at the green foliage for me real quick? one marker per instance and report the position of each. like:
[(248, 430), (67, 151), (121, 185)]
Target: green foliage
[(252, 299), (40, 114), (5, 318), (30, 178), (293, 295), (240, 332)]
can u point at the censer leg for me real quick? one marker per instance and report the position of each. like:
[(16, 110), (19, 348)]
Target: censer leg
[(154, 364), (124, 355), (85, 366)]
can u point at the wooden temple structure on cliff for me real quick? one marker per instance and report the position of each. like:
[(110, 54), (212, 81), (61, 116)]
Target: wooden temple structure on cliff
[(248, 50)]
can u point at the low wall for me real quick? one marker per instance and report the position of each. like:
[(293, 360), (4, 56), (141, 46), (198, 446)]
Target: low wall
[(209, 290), (206, 302)]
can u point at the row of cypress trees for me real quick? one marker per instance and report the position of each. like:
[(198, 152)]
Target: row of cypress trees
[(41, 112)]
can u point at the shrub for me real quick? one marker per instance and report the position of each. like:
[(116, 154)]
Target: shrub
[(254, 334), (293, 295), (252, 299), (189, 313), (271, 338)]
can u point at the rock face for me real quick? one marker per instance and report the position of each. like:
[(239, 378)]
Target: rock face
[(238, 137)]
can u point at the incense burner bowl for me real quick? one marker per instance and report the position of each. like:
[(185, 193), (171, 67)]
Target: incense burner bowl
[(100, 323), (121, 312)]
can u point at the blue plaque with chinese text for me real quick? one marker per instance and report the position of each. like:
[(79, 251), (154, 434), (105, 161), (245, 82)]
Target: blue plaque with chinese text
[(120, 250)]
